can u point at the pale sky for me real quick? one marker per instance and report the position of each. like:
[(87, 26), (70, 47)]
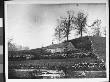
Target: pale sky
[(33, 25)]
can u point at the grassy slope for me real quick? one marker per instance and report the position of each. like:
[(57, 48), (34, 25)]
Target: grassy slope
[(99, 46), (83, 43)]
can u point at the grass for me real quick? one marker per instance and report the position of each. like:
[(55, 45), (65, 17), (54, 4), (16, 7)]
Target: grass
[(52, 62), (99, 46)]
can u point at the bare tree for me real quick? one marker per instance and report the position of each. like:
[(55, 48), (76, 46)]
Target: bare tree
[(11, 45), (96, 27), (14, 47), (65, 26), (80, 22), (75, 22), (58, 33)]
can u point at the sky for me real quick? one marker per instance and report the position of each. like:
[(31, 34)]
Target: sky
[(33, 25)]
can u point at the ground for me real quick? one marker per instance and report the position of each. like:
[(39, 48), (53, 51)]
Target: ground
[(68, 64), (61, 64), (99, 46)]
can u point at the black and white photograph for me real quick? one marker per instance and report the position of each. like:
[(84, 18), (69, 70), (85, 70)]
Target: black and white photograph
[(56, 40)]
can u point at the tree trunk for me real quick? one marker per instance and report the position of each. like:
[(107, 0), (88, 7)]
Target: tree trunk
[(81, 34), (67, 38), (81, 31), (81, 41)]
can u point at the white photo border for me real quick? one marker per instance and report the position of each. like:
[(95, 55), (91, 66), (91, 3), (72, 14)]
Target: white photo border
[(57, 2)]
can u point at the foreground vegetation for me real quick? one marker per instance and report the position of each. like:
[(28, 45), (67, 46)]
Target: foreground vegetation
[(72, 67)]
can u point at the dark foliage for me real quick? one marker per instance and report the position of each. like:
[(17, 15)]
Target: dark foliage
[(82, 43)]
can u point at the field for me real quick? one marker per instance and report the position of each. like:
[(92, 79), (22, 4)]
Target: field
[(52, 62), (57, 64)]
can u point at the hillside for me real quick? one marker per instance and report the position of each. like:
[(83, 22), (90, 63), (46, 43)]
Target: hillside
[(82, 43), (99, 46), (87, 43)]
